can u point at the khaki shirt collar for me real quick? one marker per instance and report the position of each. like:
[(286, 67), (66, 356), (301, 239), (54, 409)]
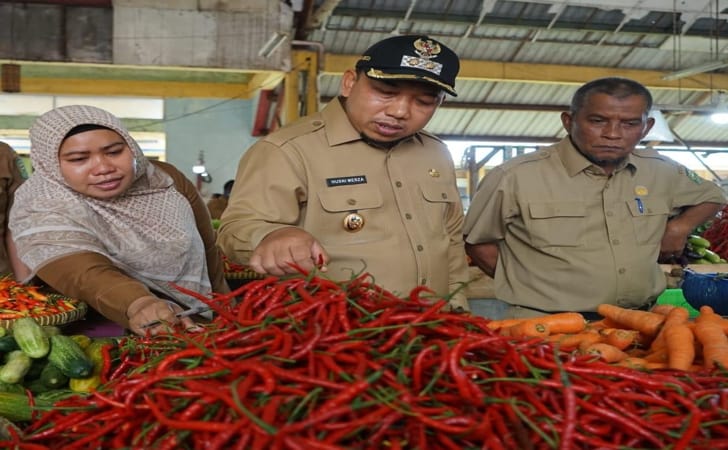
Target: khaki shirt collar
[(339, 131), (576, 163)]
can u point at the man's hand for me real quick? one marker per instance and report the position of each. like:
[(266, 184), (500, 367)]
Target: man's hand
[(151, 309), (281, 251)]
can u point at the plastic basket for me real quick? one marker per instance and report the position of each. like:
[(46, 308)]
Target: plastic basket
[(676, 297)]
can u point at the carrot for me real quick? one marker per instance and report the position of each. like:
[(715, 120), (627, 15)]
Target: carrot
[(658, 356), (680, 347), (526, 328), (645, 322), (633, 362), (621, 338), (677, 316), (663, 309), (601, 324), (564, 322), (503, 323), (568, 341), (713, 340), (606, 352)]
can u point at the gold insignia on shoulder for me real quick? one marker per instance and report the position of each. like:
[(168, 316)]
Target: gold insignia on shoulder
[(353, 222), (433, 173), (641, 190)]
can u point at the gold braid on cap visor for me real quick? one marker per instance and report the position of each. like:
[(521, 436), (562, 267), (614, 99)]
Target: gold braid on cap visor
[(375, 73)]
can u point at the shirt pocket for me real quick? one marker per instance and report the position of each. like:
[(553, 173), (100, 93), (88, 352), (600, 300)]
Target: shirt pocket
[(556, 224), (339, 203), (649, 217), (439, 198)]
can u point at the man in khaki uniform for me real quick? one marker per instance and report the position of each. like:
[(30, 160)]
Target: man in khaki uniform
[(12, 175), (359, 187), (585, 221)]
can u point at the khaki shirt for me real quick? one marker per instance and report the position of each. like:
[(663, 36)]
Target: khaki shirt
[(570, 237), (12, 175), (317, 172)]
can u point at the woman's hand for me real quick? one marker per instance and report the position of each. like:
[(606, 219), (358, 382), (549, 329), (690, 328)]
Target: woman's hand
[(150, 309)]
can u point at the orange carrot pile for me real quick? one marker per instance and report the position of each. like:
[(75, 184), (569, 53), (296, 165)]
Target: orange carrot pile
[(663, 338)]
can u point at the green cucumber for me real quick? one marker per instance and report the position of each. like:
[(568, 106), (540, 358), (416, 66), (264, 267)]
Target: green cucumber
[(30, 337), (11, 387), (17, 407), (698, 241), (53, 377), (711, 256), (17, 364), (8, 344), (69, 357)]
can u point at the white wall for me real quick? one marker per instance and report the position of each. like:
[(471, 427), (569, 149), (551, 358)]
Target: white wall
[(221, 129)]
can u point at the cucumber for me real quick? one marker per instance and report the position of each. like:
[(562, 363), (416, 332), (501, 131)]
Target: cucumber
[(14, 387), (17, 408), (698, 241), (36, 367), (30, 337), (82, 340), (53, 377), (17, 364), (84, 385), (69, 357), (8, 344), (711, 256)]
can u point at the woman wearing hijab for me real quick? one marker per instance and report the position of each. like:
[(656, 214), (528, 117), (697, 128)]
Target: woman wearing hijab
[(99, 222)]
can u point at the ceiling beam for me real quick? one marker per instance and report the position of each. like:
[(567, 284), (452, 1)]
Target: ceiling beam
[(134, 88), (336, 64)]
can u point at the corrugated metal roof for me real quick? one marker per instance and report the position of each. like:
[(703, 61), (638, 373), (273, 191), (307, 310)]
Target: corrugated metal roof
[(648, 35)]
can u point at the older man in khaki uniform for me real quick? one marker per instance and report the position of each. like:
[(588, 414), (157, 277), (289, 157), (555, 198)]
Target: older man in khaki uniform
[(12, 175), (359, 187), (585, 221)]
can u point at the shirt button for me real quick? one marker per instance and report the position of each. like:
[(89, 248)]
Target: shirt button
[(620, 302), (444, 195), (423, 281), (610, 213), (408, 216), (615, 241), (621, 270), (420, 248), (398, 184), (351, 201)]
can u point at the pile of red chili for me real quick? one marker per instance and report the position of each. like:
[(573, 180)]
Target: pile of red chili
[(306, 363), (717, 233), (18, 300)]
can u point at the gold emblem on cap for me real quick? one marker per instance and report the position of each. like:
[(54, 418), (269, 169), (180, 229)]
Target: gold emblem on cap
[(353, 222), (433, 173), (640, 190), (427, 49)]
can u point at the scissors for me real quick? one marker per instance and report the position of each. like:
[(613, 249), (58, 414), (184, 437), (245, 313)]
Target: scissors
[(181, 314)]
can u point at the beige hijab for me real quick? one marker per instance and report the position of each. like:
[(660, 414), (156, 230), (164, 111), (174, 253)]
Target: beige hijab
[(149, 231)]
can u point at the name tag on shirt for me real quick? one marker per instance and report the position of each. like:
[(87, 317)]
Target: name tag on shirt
[(346, 181)]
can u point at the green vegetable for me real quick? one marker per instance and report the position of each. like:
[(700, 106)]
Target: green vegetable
[(17, 364), (8, 344), (11, 387), (30, 337), (711, 256), (698, 241), (16, 407), (53, 377), (69, 357)]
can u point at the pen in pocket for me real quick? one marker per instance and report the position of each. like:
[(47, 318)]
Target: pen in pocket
[(640, 206)]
